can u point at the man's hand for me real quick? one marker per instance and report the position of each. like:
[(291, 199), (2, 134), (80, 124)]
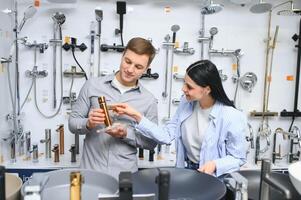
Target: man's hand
[(96, 117), (117, 130), (208, 168)]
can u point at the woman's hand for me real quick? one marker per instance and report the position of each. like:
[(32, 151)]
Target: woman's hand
[(208, 168), (96, 117), (125, 109)]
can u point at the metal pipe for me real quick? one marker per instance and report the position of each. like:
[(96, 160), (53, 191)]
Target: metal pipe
[(167, 46), (54, 64)]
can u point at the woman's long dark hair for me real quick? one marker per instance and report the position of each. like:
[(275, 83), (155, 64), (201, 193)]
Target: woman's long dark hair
[(204, 73)]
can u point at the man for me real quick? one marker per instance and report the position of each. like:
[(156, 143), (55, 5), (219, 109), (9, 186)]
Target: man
[(115, 151)]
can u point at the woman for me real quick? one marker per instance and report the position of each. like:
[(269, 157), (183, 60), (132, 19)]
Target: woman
[(209, 131)]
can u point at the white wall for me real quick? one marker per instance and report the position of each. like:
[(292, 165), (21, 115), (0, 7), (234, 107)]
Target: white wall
[(238, 29)]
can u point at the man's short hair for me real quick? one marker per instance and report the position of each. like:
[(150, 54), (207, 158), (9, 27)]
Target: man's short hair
[(141, 46)]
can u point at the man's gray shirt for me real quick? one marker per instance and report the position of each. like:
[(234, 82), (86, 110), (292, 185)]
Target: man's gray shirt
[(101, 151)]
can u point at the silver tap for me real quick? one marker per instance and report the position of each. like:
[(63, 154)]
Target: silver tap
[(239, 184), (21, 145), (277, 155), (267, 180), (27, 145), (250, 138), (47, 142)]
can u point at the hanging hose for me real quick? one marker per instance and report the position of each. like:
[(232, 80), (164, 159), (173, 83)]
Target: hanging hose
[(79, 64), (10, 87), (28, 93)]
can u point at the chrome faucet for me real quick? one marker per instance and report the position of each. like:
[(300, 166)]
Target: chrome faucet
[(277, 155), (47, 142), (267, 180), (250, 138), (238, 184), (295, 139)]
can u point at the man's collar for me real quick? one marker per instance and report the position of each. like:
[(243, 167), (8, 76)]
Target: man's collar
[(109, 79)]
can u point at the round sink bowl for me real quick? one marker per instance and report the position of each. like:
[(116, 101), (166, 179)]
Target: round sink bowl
[(294, 171), (13, 186), (57, 184), (253, 177)]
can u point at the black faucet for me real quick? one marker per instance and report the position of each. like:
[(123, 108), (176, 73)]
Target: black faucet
[(295, 139)]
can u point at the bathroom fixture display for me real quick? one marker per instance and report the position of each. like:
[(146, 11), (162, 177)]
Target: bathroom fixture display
[(295, 113)]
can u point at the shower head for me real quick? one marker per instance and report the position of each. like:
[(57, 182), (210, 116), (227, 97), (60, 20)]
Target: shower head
[(213, 31), (98, 14), (175, 28), (211, 8), (29, 12), (261, 7), (290, 12), (59, 18)]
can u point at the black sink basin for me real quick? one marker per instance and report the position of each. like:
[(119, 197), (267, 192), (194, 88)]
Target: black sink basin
[(253, 177)]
